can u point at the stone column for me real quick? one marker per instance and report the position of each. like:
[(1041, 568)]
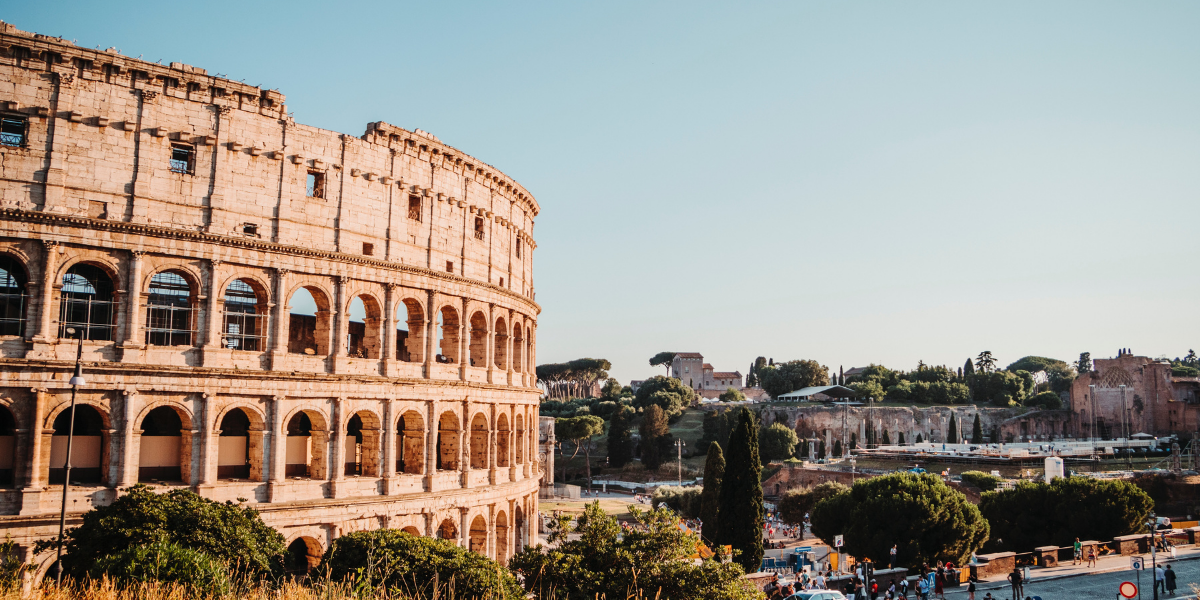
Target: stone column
[(276, 449), (279, 342), (430, 340), (490, 344), (431, 445), (464, 454), (388, 452), (387, 353), (512, 446), (35, 478), (464, 529), (208, 445), (134, 340), (213, 317), (131, 441), (339, 324), (45, 333), (464, 342), (508, 342), (489, 548), (337, 462), (492, 453)]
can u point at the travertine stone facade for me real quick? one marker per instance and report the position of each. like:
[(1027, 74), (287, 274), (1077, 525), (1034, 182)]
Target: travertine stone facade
[(171, 217)]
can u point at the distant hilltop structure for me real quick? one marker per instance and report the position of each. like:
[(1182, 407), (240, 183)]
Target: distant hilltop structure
[(708, 383)]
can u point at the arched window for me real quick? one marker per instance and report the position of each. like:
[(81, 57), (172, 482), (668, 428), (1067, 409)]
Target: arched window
[(12, 297), (501, 538), (87, 447), (160, 458), (233, 446), (501, 344), (304, 554), (8, 445), (308, 322), (447, 440), (305, 452), (479, 442), (245, 318), (362, 328), (447, 530), (169, 311), (502, 441), (410, 443), (520, 445), (448, 335), (478, 340), (87, 304), (518, 347), (477, 538), (410, 320), (354, 446), (362, 444)]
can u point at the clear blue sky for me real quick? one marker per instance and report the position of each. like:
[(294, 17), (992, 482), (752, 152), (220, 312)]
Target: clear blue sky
[(847, 182)]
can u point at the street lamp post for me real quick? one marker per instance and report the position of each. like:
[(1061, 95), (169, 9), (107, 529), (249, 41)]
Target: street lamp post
[(679, 444), (76, 381), (1153, 555)]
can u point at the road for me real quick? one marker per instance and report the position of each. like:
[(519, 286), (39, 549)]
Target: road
[(1097, 586)]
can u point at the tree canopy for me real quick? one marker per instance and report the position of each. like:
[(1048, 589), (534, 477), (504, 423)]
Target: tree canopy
[(574, 378), (710, 497), (670, 394), (620, 438), (732, 395), (656, 436), (741, 521), (796, 503), (663, 359), (777, 442), (781, 378), (1034, 514)]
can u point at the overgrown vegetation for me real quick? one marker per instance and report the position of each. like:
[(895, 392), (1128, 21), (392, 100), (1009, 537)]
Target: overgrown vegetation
[(1039, 514), (984, 481)]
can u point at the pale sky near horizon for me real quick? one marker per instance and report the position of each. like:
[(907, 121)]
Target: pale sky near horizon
[(846, 182)]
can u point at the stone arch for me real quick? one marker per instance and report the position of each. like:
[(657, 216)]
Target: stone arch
[(477, 536), (411, 530), (409, 345), (164, 432), (171, 298), (14, 294), (8, 446), (528, 349), (502, 439), (519, 539), (479, 441), (90, 454), (239, 443), (410, 443), (246, 306), (449, 330), (88, 301), (309, 334), (518, 348), (500, 343), (363, 338), (307, 438), (447, 530), (479, 339), (363, 433), (448, 442), (519, 421), (303, 555), (502, 538)]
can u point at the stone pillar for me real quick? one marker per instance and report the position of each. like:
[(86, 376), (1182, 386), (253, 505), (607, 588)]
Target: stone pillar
[(279, 341), (45, 332), (338, 348), (35, 479), (387, 353), (464, 445), (337, 462), (490, 545), (492, 453), (213, 317), (388, 452), (512, 446), (464, 342), (431, 445), (134, 340), (131, 441), (508, 342), (276, 449), (428, 524), (489, 344), (430, 340), (464, 529)]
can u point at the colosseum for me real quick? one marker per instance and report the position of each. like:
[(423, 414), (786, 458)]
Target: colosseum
[(339, 330)]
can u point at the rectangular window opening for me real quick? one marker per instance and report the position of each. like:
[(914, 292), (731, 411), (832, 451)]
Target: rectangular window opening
[(368, 249), (183, 159), (501, 282), (518, 247), (479, 228), (12, 131), (414, 207), (250, 229), (449, 266), (315, 187)]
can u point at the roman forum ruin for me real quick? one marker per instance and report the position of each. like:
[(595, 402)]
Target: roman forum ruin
[(171, 222)]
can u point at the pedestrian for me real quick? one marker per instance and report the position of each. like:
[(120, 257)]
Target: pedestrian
[(923, 589), (1091, 556), (939, 581), (892, 557), (1015, 579), (971, 589), (1160, 578), (1078, 553), (1170, 578)]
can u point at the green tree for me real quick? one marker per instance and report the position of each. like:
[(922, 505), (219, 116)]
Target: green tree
[(837, 449), (1039, 514), (871, 389), (732, 395), (952, 430), (620, 439), (715, 427), (670, 394), (786, 377), (977, 431), (928, 520), (579, 431), (981, 480), (231, 533), (777, 442), (647, 561), (998, 388), (919, 440), (985, 362), (655, 436), (1047, 400), (612, 389), (795, 504), (683, 500), (900, 438), (710, 498), (400, 561), (968, 369), (1084, 364), (741, 520), (663, 359)]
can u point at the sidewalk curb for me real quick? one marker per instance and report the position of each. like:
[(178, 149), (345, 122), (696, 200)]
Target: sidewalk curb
[(980, 586)]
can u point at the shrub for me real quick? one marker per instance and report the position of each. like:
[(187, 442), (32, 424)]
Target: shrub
[(397, 560), (1047, 400), (776, 442), (981, 480), (164, 563), (683, 500), (1040, 514)]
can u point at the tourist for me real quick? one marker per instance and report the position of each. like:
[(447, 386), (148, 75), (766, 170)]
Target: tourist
[(1078, 553), (1091, 556), (1170, 579), (1160, 577), (892, 557), (939, 582), (923, 588), (904, 588), (1017, 583), (971, 589), (874, 588)]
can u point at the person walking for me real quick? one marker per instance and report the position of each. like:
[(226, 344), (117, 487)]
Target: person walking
[(1017, 583), (1170, 579), (892, 557), (1160, 578), (923, 589), (971, 589), (939, 582), (1091, 556), (1078, 560)]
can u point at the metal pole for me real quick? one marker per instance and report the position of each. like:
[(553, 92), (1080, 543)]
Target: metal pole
[(62, 514), (1153, 555), (679, 461)]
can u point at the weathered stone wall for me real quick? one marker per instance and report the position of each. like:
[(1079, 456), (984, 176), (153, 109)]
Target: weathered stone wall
[(444, 442), (931, 422), (1131, 393)]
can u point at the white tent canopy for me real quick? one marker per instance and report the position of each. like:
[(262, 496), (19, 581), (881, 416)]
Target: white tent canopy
[(806, 394)]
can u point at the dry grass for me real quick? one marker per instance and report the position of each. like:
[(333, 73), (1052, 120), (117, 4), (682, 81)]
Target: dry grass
[(104, 590)]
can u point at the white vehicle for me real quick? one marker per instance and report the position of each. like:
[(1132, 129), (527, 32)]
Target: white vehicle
[(817, 595)]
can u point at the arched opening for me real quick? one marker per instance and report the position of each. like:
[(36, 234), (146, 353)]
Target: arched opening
[(520, 445), (410, 443), (362, 445), (502, 434), (304, 554), (501, 344), (306, 442), (165, 450), (479, 442), (245, 317), (447, 530), (87, 447), (410, 321), (477, 539), (478, 340), (410, 530), (362, 328), (448, 331), (519, 535), (233, 446), (169, 310), (447, 456), (501, 538), (13, 296), (87, 304), (8, 446), (308, 322), (518, 344), (528, 351)]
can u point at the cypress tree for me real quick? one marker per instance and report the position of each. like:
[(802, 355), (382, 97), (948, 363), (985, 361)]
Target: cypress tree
[(952, 430), (821, 449), (837, 448), (886, 441), (977, 431), (918, 438), (620, 442), (900, 438), (968, 368), (853, 441), (710, 496), (740, 522)]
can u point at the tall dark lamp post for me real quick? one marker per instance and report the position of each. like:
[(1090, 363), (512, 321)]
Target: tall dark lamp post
[(76, 381)]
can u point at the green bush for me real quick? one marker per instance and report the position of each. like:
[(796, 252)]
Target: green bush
[(164, 563), (796, 503), (683, 500), (776, 442), (1047, 400), (230, 533), (981, 480), (1039, 514), (400, 561)]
